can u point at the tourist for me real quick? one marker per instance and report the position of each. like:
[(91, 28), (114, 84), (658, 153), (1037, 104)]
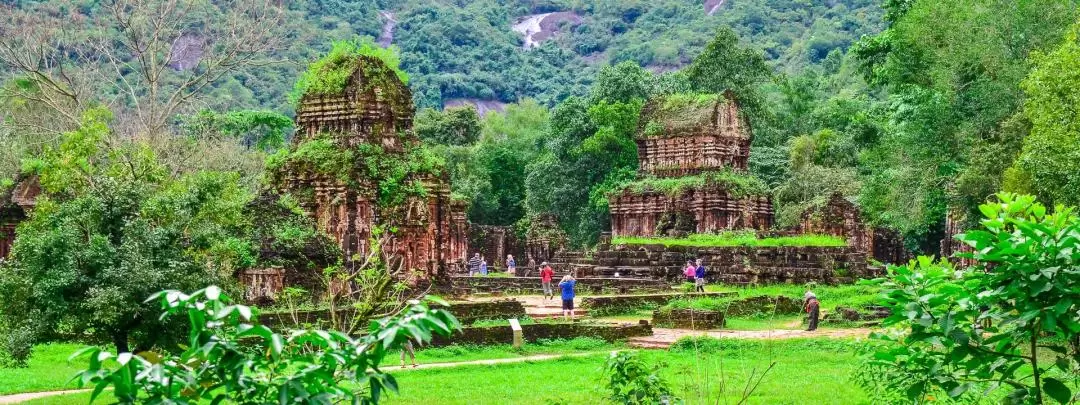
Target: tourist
[(812, 308), (483, 267), (546, 274), (511, 265), (690, 272), (567, 286), (699, 277), (408, 348), (474, 264)]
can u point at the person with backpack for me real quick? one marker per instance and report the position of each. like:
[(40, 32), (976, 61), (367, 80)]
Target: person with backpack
[(546, 274), (699, 277), (567, 286)]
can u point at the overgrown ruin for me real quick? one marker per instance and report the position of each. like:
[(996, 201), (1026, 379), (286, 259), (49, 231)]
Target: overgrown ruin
[(693, 152), (357, 168)]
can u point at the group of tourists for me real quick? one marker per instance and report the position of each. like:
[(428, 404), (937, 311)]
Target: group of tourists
[(478, 265), (566, 289), (695, 273)]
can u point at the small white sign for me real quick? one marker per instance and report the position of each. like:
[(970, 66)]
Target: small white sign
[(514, 324)]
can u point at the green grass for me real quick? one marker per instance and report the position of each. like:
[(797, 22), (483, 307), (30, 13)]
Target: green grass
[(458, 353), (731, 239), (48, 370), (848, 295)]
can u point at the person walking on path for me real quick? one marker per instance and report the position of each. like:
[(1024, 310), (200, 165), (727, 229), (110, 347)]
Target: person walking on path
[(546, 274), (511, 265), (408, 348), (690, 271), (474, 264), (699, 277), (483, 267), (567, 286), (813, 309)]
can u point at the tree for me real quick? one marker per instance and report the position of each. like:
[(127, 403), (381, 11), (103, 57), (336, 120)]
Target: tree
[(151, 58), (454, 126), (230, 358), (112, 226), (724, 65), (1050, 160), (993, 324)]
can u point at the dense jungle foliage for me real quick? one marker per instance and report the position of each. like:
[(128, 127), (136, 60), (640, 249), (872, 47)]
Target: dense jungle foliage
[(914, 109)]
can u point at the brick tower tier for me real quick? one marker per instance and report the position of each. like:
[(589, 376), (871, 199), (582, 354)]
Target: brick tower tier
[(683, 135)]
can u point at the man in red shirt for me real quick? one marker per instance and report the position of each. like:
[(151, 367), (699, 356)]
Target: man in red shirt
[(546, 274)]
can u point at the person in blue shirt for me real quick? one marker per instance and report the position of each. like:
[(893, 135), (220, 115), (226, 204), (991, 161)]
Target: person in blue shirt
[(699, 277), (483, 267), (567, 286)]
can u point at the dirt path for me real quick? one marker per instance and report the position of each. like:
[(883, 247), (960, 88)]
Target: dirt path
[(663, 338), (29, 396)]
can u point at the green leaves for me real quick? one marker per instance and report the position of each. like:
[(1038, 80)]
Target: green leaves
[(979, 326), (230, 359)]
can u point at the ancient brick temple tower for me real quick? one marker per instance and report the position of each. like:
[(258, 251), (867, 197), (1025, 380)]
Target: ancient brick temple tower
[(374, 112), (689, 139)]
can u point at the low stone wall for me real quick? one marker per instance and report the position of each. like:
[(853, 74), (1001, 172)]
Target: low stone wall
[(464, 285), (737, 264), (869, 316), (466, 312), (488, 335), (619, 304), (469, 312), (688, 319)]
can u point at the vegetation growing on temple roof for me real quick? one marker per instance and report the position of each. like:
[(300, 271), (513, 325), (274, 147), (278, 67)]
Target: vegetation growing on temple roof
[(676, 112), (734, 238), (330, 74), (736, 184)]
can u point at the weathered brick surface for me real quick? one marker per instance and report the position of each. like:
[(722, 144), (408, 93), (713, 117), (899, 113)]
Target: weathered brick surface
[(688, 319), (489, 335), (465, 312), (841, 217), (736, 265), (464, 285)]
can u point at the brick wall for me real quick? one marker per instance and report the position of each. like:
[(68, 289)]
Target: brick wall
[(688, 319), (463, 285), (489, 335), (736, 265)]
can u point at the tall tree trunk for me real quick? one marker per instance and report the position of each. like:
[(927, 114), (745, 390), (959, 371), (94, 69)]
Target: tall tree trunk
[(120, 340)]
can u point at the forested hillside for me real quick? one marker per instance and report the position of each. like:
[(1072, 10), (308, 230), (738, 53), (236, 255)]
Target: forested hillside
[(918, 110)]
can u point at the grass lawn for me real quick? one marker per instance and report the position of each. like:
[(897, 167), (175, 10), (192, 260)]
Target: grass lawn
[(806, 372), (848, 295), (48, 370), (734, 239)]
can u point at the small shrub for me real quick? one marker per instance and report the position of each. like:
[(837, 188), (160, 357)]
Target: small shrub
[(17, 346), (631, 381)]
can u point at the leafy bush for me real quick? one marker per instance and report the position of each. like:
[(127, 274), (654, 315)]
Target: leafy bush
[(1012, 320), (330, 74), (631, 381), (232, 360), (737, 184)]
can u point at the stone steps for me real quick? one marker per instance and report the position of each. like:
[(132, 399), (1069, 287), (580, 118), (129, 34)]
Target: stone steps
[(648, 342)]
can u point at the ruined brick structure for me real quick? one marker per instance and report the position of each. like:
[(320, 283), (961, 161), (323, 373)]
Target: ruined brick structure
[(374, 112), (545, 239), (494, 243), (14, 207), (951, 247), (690, 136), (841, 217)]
